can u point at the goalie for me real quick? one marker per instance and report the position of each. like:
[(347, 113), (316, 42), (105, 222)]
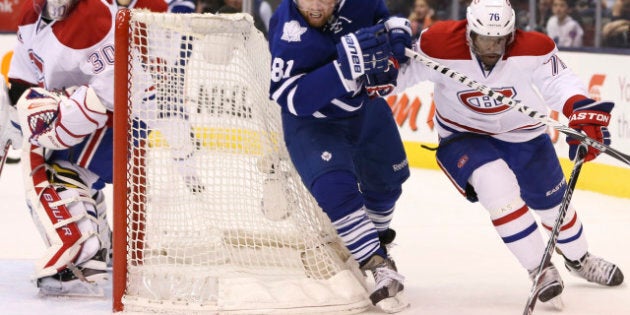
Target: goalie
[(61, 79)]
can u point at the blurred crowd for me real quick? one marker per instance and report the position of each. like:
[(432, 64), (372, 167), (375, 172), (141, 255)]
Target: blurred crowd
[(570, 23), (261, 10)]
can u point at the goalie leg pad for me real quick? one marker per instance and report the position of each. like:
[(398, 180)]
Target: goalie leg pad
[(104, 230), (70, 230), (67, 218)]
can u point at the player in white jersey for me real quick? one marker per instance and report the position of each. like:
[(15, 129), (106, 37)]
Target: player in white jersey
[(500, 157), (62, 79)]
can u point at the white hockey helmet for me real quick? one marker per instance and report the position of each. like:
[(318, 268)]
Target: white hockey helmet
[(55, 9), (490, 18)]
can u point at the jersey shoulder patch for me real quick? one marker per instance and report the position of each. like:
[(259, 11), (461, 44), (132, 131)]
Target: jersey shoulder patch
[(530, 44), (88, 24), (446, 40)]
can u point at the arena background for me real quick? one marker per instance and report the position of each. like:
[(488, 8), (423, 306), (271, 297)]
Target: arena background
[(605, 73)]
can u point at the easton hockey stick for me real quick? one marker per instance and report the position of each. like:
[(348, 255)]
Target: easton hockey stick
[(553, 238), (456, 76)]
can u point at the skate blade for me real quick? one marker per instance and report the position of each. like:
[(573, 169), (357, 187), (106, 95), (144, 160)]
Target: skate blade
[(556, 303), (394, 304), (75, 288)]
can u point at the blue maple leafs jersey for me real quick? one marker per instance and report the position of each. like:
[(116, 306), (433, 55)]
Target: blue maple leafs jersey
[(304, 79)]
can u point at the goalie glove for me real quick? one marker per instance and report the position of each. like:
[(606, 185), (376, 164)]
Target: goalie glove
[(363, 52), (9, 126), (592, 118), (399, 33), (58, 122), (381, 84)]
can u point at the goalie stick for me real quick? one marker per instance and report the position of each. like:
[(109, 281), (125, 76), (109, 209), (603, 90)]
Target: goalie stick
[(456, 76), (553, 238), (4, 151)]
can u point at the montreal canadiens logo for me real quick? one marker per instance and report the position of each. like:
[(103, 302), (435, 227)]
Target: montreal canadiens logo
[(480, 103)]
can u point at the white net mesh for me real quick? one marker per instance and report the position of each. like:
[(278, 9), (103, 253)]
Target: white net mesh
[(218, 219)]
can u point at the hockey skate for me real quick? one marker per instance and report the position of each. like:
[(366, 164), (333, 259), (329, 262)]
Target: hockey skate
[(595, 269), (549, 286), (388, 289), (85, 280)]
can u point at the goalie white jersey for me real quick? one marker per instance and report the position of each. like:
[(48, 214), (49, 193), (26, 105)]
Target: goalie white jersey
[(463, 109), (52, 56), (74, 56)]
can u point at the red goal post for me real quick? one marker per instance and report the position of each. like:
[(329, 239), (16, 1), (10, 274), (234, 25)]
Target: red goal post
[(209, 213)]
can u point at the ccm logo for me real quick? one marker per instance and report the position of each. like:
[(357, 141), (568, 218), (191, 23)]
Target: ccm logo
[(351, 48), (591, 116)]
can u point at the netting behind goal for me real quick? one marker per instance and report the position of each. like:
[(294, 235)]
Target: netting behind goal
[(210, 215)]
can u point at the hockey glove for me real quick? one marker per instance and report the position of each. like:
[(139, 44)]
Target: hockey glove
[(381, 84), (399, 32), (591, 118), (55, 121), (9, 123), (363, 52)]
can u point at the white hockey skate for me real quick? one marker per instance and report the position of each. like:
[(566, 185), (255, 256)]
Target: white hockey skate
[(388, 292), (549, 286), (595, 269), (86, 280)]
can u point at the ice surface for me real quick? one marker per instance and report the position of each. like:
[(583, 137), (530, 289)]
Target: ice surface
[(452, 258)]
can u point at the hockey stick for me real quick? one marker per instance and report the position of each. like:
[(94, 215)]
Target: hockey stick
[(11, 160), (456, 76), (4, 151), (553, 238)]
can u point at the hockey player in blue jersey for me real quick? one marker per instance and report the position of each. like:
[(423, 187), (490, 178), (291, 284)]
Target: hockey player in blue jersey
[(327, 76)]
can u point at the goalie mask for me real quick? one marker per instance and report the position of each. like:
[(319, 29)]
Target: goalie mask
[(56, 10), (490, 29), (316, 12)]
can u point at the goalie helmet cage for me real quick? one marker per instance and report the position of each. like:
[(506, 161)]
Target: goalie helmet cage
[(209, 214)]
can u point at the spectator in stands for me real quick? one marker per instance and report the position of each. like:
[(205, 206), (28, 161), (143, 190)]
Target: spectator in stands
[(209, 6), (616, 34), (421, 17), (544, 13), (621, 10), (562, 28), (400, 8), (606, 5), (261, 11)]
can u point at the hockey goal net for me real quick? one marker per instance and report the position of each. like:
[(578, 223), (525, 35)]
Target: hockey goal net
[(210, 215)]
